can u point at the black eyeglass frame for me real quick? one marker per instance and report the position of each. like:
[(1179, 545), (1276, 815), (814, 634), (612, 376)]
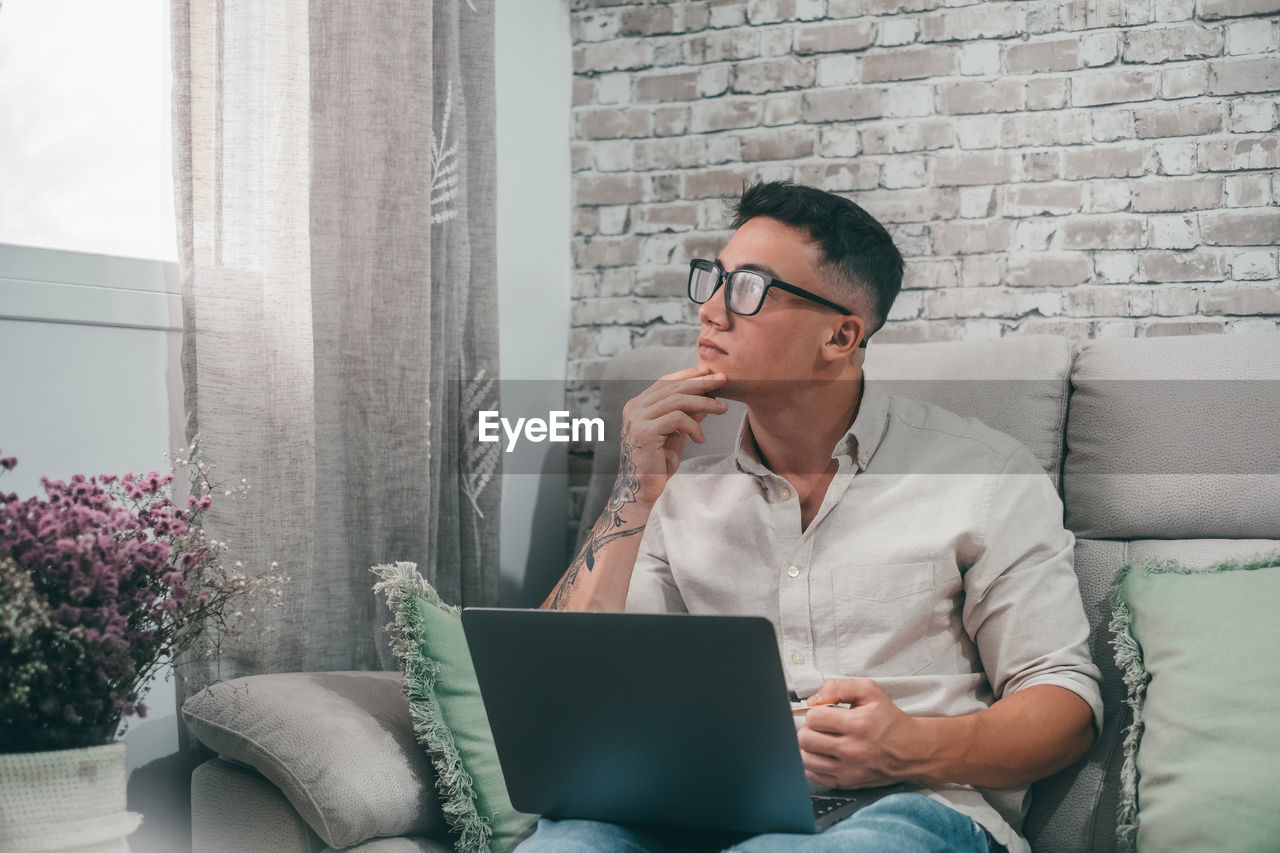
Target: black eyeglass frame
[(703, 265)]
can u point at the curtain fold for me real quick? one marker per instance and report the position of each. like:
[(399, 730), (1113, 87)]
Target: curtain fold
[(334, 166)]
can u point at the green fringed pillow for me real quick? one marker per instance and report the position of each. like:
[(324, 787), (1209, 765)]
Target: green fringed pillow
[(448, 713), (1200, 656)]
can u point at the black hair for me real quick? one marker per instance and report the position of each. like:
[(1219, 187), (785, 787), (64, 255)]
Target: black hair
[(854, 246)]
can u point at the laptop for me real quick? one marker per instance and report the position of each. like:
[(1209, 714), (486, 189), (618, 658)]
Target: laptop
[(650, 719)]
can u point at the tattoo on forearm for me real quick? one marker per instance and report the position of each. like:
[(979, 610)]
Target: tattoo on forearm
[(608, 527)]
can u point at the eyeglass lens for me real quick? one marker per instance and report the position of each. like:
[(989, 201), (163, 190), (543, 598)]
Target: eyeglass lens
[(746, 288)]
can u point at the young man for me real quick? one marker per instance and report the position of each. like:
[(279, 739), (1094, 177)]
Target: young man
[(913, 563)]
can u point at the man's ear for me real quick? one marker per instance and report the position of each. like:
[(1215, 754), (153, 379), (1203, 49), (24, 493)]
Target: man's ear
[(845, 338)]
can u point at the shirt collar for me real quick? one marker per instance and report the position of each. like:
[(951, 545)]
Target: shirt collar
[(859, 443)]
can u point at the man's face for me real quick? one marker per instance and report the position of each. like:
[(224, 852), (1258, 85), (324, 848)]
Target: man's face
[(784, 340)]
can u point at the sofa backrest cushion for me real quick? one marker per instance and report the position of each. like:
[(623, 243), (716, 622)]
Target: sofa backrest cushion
[(1175, 437), (1016, 385)]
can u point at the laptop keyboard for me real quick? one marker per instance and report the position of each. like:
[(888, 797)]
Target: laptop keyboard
[(823, 806)]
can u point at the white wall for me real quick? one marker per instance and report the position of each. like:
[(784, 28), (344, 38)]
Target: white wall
[(534, 76)]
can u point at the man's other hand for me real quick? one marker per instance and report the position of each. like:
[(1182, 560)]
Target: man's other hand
[(658, 420), (867, 744)]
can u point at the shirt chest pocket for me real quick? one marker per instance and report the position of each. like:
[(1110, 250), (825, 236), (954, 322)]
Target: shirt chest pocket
[(883, 616)]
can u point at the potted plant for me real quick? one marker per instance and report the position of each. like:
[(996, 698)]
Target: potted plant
[(103, 580)]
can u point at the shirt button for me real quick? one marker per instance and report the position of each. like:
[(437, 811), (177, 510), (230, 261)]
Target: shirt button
[(793, 571), (797, 658), (786, 494)]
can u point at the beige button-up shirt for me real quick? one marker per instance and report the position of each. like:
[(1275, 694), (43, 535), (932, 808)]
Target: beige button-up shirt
[(937, 565)]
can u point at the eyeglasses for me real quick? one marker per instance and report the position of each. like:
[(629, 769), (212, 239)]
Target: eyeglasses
[(744, 290)]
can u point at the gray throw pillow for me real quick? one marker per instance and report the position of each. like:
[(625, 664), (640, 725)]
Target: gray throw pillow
[(339, 745)]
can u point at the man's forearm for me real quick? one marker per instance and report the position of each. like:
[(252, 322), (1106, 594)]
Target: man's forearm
[(600, 575), (1025, 736)]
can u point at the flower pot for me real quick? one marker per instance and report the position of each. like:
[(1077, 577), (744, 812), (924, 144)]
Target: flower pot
[(65, 800)]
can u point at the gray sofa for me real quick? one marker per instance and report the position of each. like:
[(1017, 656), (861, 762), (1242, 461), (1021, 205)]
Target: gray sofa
[(1162, 448)]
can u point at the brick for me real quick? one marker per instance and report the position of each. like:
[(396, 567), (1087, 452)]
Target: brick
[(1179, 194), (991, 302), (1049, 269), (842, 104), (828, 37), (1098, 49), (1241, 227), (1109, 301), (839, 140), (1232, 154), (715, 183), (586, 220), (605, 251), (714, 80), (1040, 57), (783, 108), (1053, 128), (904, 171), (648, 20), (905, 100), (912, 239), (1255, 36), (1111, 125), (1173, 231), (1175, 10), (1042, 165), (672, 153), (613, 219), (607, 189), (1188, 81), (614, 123), (1101, 232), (722, 46), (1104, 161), (579, 156), (595, 26), (977, 202), (778, 144), (1047, 93), (1043, 199), (772, 75), (1248, 190), (612, 155), (930, 275), (724, 149), (985, 20), (1113, 87), (1177, 120), (1161, 267), (670, 121), (1115, 267), (776, 41), (654, 218), (839, 177), (910, 205), (666, 87), (773, 11), (980, 96), (964, 238), (1167, 44), (972, 168), (977, 132), (909, 63), (969, 168), (1092, 14), (613, 55), (1241, 300), (1236, 76), (1181, 328), (663, 186), (907, 306), (1257, 265), (1175, 158), (1252, 116), (841, 69), (666, 51), (896, 31), (909, 136), (882, 7), (1174, 301), (1106, 196), (979, 58), (1214, 9), (584, 91), (727, 15), (724, 114)]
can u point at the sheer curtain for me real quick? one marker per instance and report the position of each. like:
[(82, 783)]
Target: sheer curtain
[(334, 164)]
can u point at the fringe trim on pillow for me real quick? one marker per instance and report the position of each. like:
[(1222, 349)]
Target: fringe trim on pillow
[(401, 583), (1134, 672)]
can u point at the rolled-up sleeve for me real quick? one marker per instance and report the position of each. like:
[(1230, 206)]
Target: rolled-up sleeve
[(1022, 603)]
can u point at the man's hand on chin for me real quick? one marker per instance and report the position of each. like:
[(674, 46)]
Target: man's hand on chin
[(871, 742)]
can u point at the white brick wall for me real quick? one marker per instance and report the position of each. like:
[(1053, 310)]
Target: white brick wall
[(1084, 167)]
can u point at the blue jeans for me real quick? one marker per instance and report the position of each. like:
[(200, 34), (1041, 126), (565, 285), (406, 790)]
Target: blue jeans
[(899, 823)]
